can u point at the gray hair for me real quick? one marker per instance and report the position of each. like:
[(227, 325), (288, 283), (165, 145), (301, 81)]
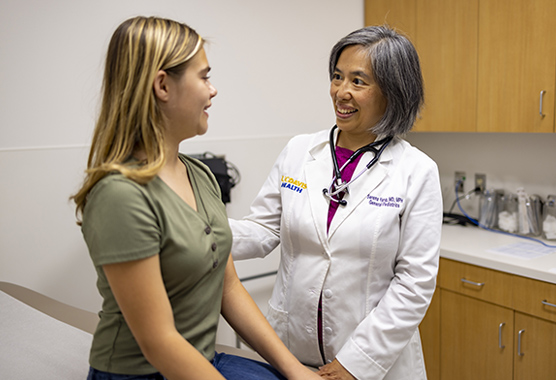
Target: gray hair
[(396, 69)]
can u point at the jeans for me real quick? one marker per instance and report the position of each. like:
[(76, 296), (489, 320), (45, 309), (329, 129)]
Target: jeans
[(95, 374), (230, 366)]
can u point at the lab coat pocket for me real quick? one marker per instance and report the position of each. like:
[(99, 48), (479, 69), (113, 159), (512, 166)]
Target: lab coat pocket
[(278, 319)]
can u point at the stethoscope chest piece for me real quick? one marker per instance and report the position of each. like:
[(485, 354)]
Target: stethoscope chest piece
[(338, 188)]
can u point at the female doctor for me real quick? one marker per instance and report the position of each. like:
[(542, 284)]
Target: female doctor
[(358, 213)]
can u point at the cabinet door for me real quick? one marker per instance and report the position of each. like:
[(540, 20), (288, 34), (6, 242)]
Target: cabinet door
[(399, 14), (446, 39), (535, 356), (475, 344), (445, 35), (517, 60)]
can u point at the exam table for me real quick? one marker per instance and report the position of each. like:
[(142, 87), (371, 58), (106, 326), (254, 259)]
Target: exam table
[(41, 338)]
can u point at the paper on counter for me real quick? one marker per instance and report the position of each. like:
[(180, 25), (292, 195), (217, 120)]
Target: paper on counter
[(524, 250)]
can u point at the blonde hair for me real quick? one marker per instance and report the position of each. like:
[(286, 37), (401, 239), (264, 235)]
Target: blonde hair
[(129, 117)]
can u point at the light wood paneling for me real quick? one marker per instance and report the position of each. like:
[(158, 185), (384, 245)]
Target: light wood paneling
[(496, 288), (399, 14), (446, 39), (470, 338), (485, 62), (529, 295), (537, 348), (517, 60)]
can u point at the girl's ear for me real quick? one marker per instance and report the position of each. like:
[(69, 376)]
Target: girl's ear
[(160, 86)]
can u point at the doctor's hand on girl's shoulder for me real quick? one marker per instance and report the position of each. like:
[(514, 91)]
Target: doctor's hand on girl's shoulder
[(334, 371)]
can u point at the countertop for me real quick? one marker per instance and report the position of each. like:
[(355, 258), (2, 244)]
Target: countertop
[(473, 245)]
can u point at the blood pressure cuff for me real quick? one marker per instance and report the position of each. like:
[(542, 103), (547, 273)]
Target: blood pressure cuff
[(225, 172)]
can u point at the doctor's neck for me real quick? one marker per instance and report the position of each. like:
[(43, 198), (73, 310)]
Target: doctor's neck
[(354, 141)]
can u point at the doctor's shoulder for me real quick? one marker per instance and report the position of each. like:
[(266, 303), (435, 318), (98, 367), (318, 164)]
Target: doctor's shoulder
[(411, 152), (413, 156)]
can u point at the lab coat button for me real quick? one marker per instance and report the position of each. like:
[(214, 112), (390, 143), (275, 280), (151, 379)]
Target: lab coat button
[(328, 330), (208, 230), (328, 293), (213, 247), (309, 330)]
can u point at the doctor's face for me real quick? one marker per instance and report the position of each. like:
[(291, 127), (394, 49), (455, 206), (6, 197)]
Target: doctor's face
[(358, 101)]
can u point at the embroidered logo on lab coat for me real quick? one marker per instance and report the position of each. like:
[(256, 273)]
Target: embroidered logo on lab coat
[(293, 184), (393, 202)]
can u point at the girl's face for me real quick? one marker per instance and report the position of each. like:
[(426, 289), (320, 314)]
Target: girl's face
[(357, 99), (189, 97)]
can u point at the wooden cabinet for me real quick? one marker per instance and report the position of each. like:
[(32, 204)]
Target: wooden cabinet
[(484, 62), (476, 339), (535, 350), (482, 283), (534, 297), (517, 60), (476, 327), (535, 317), (446, 39), (490, 325), (400, 14)]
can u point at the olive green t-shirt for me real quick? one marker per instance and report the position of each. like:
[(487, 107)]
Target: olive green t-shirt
[(125, 221)]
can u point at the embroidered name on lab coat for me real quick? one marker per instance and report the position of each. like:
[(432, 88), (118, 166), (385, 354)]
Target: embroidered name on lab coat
[(293, 184), (394, 202)]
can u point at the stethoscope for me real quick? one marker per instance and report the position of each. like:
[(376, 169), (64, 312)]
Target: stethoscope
[(338, 186)]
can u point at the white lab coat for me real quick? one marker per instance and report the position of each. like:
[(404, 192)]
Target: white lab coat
[(376, 267)]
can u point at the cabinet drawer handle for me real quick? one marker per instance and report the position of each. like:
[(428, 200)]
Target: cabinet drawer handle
[(519, 334), (472, 282), (540, 106), (500, 336), (545, 302)]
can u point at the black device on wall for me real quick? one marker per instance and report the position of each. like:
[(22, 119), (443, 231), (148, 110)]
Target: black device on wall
[(225, 172)]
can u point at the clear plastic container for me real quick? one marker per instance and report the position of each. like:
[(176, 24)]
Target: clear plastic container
[(549, 218), (529, 213), (488, 211), (534, 214), (508, 212)]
